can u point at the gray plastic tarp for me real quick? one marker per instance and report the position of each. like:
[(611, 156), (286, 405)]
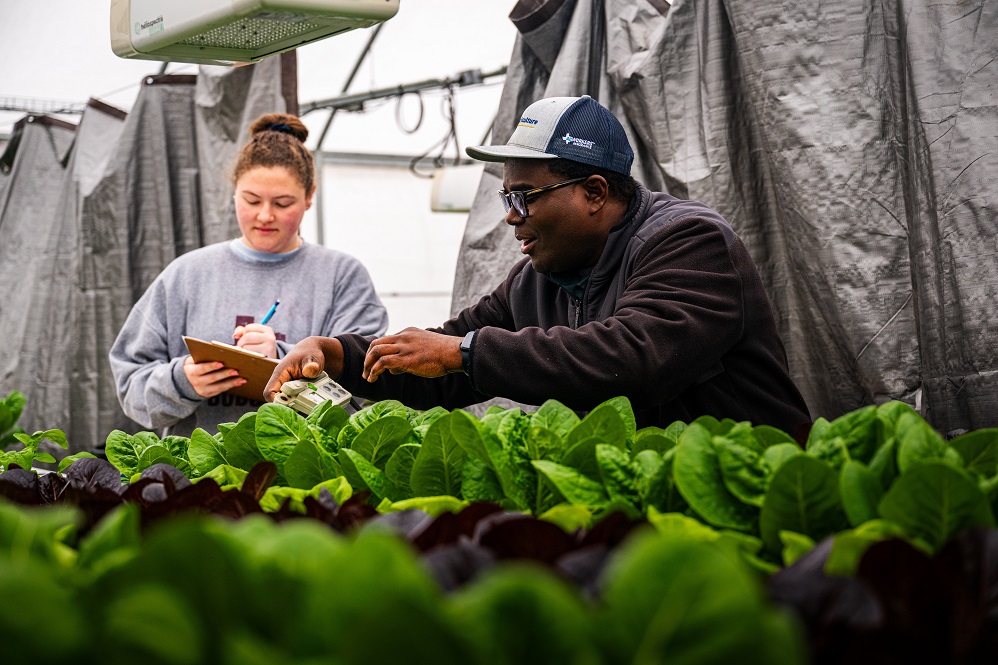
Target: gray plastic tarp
[(852, 145), (90, 217)]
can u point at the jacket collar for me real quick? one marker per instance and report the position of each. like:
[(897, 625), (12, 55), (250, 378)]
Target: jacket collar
[(620, 236)]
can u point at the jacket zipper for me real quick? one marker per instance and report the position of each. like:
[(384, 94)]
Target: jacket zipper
[(581, 303)]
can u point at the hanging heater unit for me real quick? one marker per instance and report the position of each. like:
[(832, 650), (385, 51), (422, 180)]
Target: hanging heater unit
[(224, 32)]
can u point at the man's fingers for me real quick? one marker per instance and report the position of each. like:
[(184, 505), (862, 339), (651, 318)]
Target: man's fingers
[(412, 351), (279, 378), (307, 365), (306, 359), (379, 357), (372, 373)]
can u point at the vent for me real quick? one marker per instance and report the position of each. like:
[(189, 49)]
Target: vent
[(255, 32)]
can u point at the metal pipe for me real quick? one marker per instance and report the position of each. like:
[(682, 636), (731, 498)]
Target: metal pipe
[(320, 234), (356, 102), (346, 86)]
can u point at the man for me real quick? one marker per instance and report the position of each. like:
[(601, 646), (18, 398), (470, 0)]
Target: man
[(623, 292)]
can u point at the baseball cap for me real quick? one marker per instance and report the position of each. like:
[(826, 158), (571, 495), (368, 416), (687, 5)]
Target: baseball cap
[(575, 128)]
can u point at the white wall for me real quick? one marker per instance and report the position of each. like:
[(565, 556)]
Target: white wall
[(382, 216)]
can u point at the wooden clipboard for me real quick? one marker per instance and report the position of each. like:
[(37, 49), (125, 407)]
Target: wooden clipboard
[(256, 368)]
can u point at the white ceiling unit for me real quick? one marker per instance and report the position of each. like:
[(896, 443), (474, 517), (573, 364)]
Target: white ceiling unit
[(224, 32)]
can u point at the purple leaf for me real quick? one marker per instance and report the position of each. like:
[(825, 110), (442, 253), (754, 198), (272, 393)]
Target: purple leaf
[(450, 527), (528, 538), (841, 615), (94, 502), (917, 600), (172, 478), (154, 493), (201, 496), (259, 479), (408, 523), (611, 531), (355, 511), (584, 567), (970, 561), (20, 486), (133, 491), (457, 564), (88, 472), (235, 504), (51, 487)]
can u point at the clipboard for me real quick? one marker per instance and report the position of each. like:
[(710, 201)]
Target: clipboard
[(255, 367)]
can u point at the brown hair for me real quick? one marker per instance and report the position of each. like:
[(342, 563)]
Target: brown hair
[(277, 139)]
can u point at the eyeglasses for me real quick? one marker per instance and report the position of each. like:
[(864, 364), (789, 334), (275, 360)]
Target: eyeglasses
[(518, 200)]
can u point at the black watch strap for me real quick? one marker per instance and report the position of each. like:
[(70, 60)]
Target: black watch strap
[(466, 352)]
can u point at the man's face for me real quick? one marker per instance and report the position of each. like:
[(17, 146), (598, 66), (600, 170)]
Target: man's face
[(560, 233)]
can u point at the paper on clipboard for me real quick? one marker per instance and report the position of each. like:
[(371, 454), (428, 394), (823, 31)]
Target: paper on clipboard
[(256, 368)]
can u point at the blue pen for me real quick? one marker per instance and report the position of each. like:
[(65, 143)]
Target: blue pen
[(273, 308)]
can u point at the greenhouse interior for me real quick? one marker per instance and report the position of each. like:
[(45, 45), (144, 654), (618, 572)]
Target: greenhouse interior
[(717, 353)]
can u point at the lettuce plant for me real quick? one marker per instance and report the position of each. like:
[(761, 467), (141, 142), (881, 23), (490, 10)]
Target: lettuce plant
[(11, 434), (879, 464)]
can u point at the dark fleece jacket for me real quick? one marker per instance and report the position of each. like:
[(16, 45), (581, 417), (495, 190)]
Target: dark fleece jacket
[(674, 317)]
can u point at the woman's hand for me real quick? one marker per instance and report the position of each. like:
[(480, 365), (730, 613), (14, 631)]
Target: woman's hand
[(211, 378), (256, 337)]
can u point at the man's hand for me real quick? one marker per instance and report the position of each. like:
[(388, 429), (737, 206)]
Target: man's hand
[(256, 337), (413, 351), (308, 358), (211, 378)]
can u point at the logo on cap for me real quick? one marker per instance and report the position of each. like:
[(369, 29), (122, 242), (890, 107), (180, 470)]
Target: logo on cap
[(527, 122), (582, 143)]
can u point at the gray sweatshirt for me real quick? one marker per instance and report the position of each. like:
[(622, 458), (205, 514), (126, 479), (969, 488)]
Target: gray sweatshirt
[(201, 293)]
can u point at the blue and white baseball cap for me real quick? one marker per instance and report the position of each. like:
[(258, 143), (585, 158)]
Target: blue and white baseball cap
[(575, 128)]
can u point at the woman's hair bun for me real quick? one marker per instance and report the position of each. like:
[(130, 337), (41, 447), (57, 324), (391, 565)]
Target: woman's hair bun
[(269, 146), (280, 122)]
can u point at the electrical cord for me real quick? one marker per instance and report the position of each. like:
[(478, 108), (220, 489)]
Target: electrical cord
[(451, 134), (398, 113)]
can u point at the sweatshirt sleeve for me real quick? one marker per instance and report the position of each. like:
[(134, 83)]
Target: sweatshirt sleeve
[(151, 386), (356, 306)]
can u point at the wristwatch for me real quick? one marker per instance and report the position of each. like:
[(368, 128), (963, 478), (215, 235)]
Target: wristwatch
[(466, 352)]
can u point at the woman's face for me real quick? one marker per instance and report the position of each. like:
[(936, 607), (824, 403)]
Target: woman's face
[(270, 204)]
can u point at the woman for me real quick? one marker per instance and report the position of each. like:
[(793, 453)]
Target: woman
[(218, 292)]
